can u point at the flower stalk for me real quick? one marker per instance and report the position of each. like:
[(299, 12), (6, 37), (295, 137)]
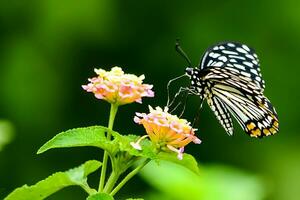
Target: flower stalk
[(129, 176), (112, 115), (111, 181)]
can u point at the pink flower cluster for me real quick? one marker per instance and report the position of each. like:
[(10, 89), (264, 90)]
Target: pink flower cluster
[(117, 87), (166, 130)]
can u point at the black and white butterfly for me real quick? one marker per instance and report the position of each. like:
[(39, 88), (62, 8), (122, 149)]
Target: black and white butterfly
[(229, 78)]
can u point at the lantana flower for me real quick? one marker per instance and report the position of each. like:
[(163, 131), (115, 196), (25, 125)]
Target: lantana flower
[(166, 130), (116, 87)]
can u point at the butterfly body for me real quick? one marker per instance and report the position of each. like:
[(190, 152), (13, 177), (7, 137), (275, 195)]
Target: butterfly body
[(229, 78)]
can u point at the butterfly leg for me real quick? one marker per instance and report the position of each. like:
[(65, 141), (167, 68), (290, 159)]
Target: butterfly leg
[(196, 118), (184, 105), (184, 92), (180, 91), (168, 87)]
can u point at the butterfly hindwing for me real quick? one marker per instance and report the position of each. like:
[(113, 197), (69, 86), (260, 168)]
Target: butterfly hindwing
[(255, 114), (221, 113)]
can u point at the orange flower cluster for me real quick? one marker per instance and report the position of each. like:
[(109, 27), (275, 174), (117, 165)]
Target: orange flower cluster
[(119, 88), (166, 130)]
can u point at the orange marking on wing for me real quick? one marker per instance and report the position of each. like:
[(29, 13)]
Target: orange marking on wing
[(276, 124), (256, 132), (251, 126), (266, 132), (273, 131)]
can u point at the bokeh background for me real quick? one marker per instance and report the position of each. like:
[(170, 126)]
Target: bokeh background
[(49, 48)]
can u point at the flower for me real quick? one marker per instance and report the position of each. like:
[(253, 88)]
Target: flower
[(117, 87), (166, 130)]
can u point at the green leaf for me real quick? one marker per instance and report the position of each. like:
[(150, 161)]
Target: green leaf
[(135, 199), (188, 160), (215, 182), (100, 196), (6, 133), (57, 181), (148, 150), (78, 137)]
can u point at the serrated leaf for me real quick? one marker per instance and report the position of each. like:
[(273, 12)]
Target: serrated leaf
[(78, 137), (55, 182), (100, 196), (148, 150), (188, 160)]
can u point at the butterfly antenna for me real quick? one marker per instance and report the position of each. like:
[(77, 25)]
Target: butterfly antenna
[(182, 53)]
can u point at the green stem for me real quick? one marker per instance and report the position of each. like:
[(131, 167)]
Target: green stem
[(112, 115), (128, 177), (89, 190), (111, 182)]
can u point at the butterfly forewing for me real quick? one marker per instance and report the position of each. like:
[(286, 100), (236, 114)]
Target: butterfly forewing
[(239, 57)]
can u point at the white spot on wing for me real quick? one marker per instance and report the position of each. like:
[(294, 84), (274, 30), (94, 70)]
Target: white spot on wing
[(238, 57), (248, 63), (246, 74), (222, 58), (254, 71), (250, 56), (209, 62), (239, 66), (214, 55), (219, 64), (239, 49), (230, 52), (245, 47), (254, 62)]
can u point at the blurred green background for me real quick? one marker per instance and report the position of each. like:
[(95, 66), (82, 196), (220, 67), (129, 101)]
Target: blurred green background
[(49, 48)]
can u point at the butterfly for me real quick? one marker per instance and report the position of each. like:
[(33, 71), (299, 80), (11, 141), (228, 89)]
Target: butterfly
[(229, 78)]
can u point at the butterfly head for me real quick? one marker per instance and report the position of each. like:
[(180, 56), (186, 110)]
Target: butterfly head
[(197, 84), (193, 74), (189, 71)]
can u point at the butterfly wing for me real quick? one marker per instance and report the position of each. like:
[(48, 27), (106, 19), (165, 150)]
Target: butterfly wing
[(239, 57), (245, 101), (221, 113)]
